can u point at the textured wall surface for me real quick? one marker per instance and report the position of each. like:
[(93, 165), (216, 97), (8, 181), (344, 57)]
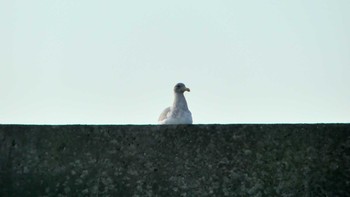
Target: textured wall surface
[(194, 160)]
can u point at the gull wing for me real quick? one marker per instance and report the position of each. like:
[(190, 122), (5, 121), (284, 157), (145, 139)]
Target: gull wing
[(164, 114)]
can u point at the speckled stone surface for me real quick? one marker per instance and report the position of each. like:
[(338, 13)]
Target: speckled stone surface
[(194, 160)]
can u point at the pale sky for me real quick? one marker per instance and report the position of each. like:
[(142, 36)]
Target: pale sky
[(116, 62)]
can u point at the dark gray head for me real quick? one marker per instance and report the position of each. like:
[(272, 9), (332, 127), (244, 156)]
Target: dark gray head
[(180, 88)]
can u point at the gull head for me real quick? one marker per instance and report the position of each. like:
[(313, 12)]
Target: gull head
[(180, 88)]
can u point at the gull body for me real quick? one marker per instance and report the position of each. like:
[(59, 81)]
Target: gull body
[(178, 113)]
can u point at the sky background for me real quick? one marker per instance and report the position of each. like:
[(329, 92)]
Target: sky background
[(116, 62)]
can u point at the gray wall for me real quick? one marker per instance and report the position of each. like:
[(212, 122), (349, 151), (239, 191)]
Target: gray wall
[(194, 160)]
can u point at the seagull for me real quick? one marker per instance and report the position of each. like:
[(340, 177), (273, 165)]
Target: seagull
[(178, 113)]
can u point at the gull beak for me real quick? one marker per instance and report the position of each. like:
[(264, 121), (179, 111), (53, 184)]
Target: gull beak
[(187, 89)]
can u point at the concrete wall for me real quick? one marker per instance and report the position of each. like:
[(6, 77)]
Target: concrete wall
[(194, 160)]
